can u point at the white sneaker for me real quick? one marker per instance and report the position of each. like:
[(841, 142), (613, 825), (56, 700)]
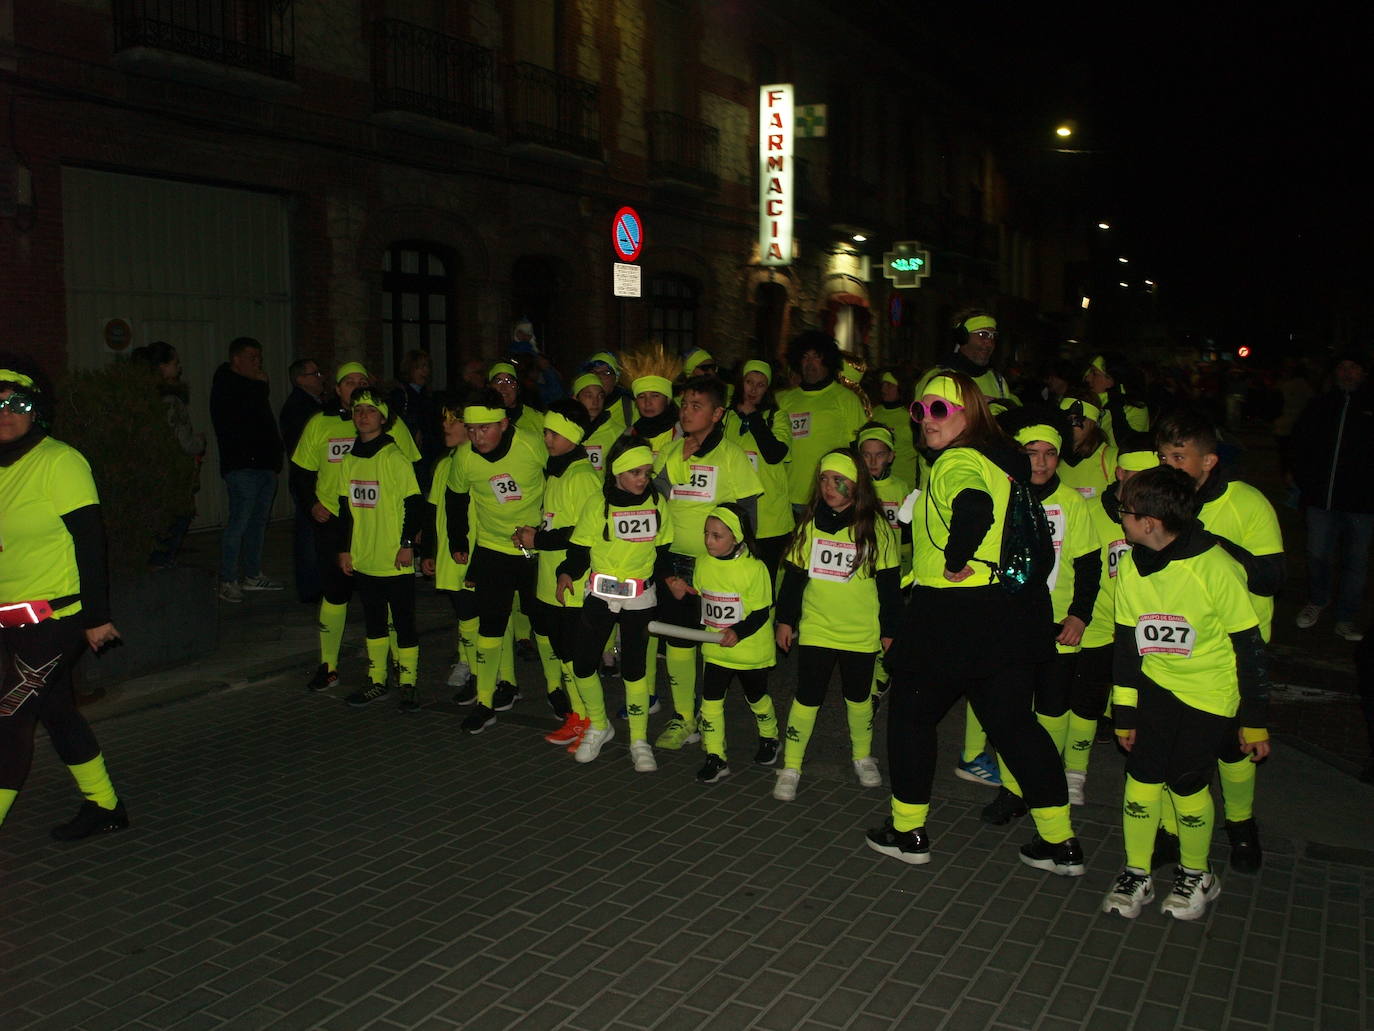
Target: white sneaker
[(643, 756), (866, 769), (1132, 892), (1074, 780), (592, 742), (259, 583), (1309, 615), (1346, 629), (785, 788), (458, 674), (1193, 889), (230, 591)]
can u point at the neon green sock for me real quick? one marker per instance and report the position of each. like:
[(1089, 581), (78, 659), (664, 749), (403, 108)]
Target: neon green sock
[(1196, 816), (574, 693), (860, 728), (1237, 790), (682, 677), (467, 642), (332, 620), (488, 658), (1052, 823), (765, 716), (393, 646), (94, 782), (801, 721), (7, 798), (1057, 727), (553, 669), (1168, 818), (637, 708), (594, 699), (651, 665), (1140, 811), (1078, 748), (506, 661), (408, 659), (377, 649), (907, 816), (712, 726), (975, 741)]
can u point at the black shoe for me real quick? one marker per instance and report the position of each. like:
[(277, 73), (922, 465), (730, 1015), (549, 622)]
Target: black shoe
[(367, 695), (323, 680), (767, 754), (91, 819), (478, 720), (1246, 854), (507, 694), (410, 699), (558, 702), (525, 649), (1064, 859), (1166, 850), (714, 770), (909, 846), (1004, 808), (467, 694)]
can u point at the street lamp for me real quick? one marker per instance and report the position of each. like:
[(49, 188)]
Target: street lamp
[(1064, 131), (1103, 225), (1124, 261)]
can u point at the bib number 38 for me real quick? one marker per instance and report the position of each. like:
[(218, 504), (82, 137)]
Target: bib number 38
[(1159, 633), (505, 488)]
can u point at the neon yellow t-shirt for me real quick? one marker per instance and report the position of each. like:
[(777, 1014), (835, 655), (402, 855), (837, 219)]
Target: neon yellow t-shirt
[(1073, 538), (376, 489), (324, 442), (624, 538), (1093, 474), (448, 574), (1244, 516), (504, 494), (820, 420), (37, 555), (1111, 539), (898, 420), (955, 470), (840, 600), (564, 499), (774, 508), (600, 441), (1181, 617), (732, 590), (699, 484)]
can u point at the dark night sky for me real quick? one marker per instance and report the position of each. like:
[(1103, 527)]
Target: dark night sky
[(1230, 148)]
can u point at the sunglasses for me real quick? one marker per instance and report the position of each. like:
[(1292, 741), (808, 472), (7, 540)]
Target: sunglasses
[(505, 380), (986, 334), (20, 404), (938, 411)]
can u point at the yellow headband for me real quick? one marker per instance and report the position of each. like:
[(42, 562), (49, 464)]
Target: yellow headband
[(731, 520), (500, 368), (887, 377), (607, 359), (1040, 431), (479, 415), (1090, 410), (348, 369), (761, 367), (372, 401), (563, 426), (655, 384), (842, 464), (879, 433), (10, 376), (697, 357), (943, 386), (632, 459), (977, 322), (1137, 461), (1099, 363), (587, 379)]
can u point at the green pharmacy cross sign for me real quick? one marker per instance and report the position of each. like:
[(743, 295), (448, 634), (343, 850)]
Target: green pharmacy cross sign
[(906, 264)]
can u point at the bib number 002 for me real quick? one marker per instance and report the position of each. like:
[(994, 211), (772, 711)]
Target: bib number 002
[(720, 610)]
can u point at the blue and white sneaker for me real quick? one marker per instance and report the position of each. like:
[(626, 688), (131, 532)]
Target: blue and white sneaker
[(980, 770)]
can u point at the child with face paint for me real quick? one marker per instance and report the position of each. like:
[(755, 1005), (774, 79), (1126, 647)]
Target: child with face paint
[(616, 556), (737, 599), (840, 602)]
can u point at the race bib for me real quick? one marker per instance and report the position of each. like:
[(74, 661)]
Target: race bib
[(1162, 634), (1088, 493), (801, 424), (1055, 515), (638, 526), (338, 447), (832, 560), (505, 488), (753, 457), (547, 522), (890, 509), (721, 610), (362, 493), (1114, 552), (700, 485), (595, 452)]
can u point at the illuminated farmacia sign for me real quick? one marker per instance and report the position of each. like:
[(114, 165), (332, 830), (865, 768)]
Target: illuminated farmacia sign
[(777, 129)]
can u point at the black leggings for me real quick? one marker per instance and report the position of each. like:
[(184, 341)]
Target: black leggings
[(560, 625), (1002, 703), (1176, 744), (336, 585), (715, 681), (815, 665), (397, 593), (1092, 682), (1054, 682), (595, 627), (464, 604), (496, 577), (36, 687)]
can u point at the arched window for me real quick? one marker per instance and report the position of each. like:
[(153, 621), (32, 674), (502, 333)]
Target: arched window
[(673, 312), (418, 296)]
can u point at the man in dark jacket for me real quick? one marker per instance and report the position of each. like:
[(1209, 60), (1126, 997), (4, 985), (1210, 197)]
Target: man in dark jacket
[(1332, 442), (250, 454)]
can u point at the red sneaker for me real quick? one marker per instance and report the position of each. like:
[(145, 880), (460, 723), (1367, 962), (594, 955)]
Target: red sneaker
[(583, 725), (571, 730)]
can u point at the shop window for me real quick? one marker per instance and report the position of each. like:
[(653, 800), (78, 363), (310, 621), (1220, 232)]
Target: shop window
[(418, 308)]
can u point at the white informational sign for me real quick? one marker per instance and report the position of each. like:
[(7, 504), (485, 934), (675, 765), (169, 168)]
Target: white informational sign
[(777, 130), (625, 279)]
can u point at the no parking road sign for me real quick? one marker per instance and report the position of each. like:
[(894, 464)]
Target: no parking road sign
[(627, 234)]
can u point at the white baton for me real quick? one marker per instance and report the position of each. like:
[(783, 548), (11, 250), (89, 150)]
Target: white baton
[(684, 633)]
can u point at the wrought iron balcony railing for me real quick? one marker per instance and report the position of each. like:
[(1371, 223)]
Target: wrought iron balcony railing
[(253, 35), (553, 110), (683, 150), (424, 72)]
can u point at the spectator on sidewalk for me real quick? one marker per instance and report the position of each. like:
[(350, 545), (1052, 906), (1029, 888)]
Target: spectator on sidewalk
[(164, 363), (412, 403), (250, 455), (1332, 442), (306, 399)]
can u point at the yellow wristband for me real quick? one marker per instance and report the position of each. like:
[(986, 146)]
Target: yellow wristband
[(1250, 735)]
